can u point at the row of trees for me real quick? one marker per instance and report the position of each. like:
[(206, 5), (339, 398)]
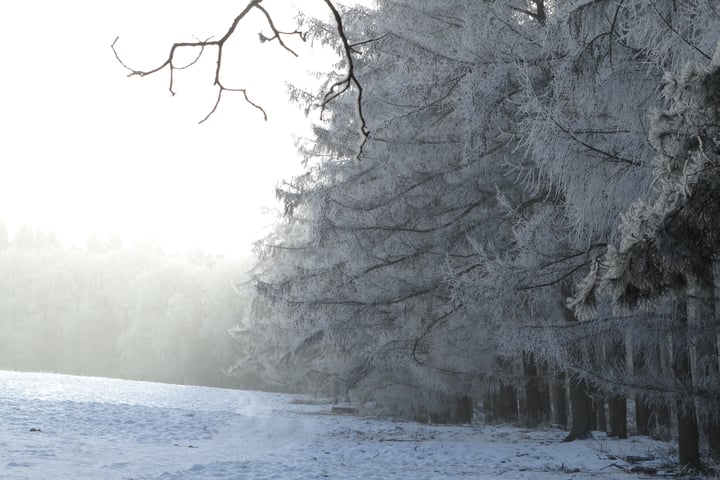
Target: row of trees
[(518, 199), (534, 206), (110, 311)]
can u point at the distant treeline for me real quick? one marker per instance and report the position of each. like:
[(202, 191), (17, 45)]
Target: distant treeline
[(105, 310)]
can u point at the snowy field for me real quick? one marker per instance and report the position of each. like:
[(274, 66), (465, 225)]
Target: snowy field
[(64, 427)]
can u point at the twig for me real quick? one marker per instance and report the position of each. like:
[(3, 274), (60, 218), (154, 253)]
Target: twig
[(342, 85), (202, 45), (335, 90)]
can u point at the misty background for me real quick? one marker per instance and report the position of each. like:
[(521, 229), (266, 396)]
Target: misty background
[(105, 309), (87, 150), (125, 227)]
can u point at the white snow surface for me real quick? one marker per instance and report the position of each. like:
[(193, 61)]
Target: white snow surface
[(65, 427)]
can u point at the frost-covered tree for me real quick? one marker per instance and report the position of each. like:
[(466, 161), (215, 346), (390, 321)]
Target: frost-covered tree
[(584, 109), (579, 134), (365, 269), (668, 247)]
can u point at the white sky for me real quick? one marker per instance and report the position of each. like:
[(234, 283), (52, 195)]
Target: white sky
[(84, 149)]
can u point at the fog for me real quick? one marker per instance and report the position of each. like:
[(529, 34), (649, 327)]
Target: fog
[(105, 309)]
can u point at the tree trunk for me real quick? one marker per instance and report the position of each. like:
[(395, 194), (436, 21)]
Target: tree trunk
[(688, 435), (712, 433), (617, 409), (688, 431), (706, 353), (580, 401), (434, 417), (557, 395), (642, 416), (533, 402), (462, 411), (545, 400), (580, 404), (592, 393), (600, 414), (663, 422), (505, 404), (617, 404), (421, 414), (703, 348), (642, 409), (488, 406)]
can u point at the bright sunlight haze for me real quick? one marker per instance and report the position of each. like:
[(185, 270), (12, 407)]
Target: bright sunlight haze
[(87, 150)]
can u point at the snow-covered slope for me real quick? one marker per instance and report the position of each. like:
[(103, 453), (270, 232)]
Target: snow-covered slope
[(64, 427)]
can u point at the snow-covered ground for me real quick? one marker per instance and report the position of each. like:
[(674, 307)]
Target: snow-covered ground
[(64, 427)]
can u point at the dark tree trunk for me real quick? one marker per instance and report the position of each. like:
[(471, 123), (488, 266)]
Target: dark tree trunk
[(580, 404), (434, 417), (462, 411), (545, 400), (712, 429), (592, 406), (617, 409), (642, 416), (703, 340), (533, 402), (663, 421), (505, 404), (688, 435), (488, 406), (557, 395), (600, 414), (617, 404), (706, 350), (448, 409), (688, 431), (642, 409), (421, 414), (712, 432)]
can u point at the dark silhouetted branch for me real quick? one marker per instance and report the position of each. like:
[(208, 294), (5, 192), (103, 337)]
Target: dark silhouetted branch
[(337, 89), (348, 80)]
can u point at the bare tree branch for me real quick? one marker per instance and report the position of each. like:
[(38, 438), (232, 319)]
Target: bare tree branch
[(342, 85), (337, 89), (369, 40), (277, 35), (202, 45)]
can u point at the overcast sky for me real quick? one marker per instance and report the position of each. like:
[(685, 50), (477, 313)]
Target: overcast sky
[(85, 149)]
